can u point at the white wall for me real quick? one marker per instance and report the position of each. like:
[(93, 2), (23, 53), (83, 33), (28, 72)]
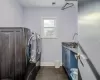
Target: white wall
[(66, 27), (11, 13)]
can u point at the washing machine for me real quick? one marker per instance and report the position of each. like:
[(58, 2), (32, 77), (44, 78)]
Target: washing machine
[(38, 52), (34, 56)]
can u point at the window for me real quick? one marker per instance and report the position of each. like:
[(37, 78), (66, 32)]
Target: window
[(49, 27)]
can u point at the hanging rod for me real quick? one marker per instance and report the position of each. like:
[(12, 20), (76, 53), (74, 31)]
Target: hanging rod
[(65, 6)]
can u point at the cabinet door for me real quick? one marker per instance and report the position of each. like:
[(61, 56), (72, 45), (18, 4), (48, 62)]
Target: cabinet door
[(73, 60), (12, 54), (7, 56), (20, 58), (67, 58)]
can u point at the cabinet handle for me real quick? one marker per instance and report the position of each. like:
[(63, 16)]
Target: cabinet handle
[(78, 57)]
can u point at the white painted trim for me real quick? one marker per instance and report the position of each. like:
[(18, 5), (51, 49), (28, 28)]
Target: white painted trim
[(48, 64)]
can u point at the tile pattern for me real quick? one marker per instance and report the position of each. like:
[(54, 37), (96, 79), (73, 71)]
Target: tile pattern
[(50, 73)]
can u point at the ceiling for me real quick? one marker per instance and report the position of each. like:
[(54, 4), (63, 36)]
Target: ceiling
[(43, 3)]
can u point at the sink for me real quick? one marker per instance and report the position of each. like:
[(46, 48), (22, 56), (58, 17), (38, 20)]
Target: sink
[(70, 44), (73, 46)]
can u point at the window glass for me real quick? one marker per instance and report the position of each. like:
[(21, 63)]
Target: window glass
[(49, 32), (49, 28), (49, 23)]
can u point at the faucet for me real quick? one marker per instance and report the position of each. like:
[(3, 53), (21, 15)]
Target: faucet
[(74, 35)]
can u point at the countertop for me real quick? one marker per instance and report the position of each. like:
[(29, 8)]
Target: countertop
[(75, 50)]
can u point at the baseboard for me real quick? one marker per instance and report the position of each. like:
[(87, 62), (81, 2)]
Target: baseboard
[(48, 64)]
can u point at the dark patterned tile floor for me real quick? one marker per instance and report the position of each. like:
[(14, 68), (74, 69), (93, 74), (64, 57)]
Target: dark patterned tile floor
[(50, 73)]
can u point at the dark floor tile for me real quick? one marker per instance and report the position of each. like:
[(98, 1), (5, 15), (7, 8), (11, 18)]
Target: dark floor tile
[(60, 71), (41, 77), (62, 77), (50, 73), (46, 77), (47, 71)]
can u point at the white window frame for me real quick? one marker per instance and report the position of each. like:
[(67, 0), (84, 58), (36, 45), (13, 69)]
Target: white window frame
[(42, 27)]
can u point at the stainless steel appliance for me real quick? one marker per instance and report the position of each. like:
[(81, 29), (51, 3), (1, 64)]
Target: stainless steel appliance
[(38, 51), (89, 39), (13, 52), (34, 56), (18, 53)]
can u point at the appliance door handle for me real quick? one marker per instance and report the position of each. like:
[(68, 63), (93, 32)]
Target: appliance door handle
[(81, 62), (78, 58)]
